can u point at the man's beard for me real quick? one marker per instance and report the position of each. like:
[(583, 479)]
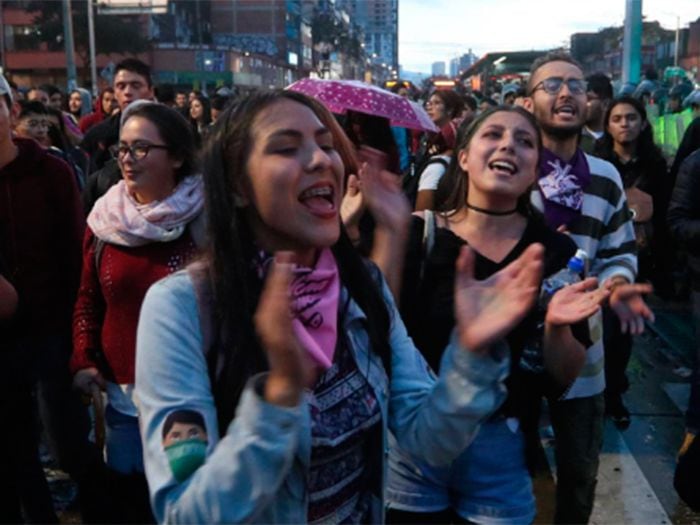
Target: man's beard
[(560, 132)]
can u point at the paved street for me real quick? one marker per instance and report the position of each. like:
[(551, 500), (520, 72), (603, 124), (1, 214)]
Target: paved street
[(637, 465)]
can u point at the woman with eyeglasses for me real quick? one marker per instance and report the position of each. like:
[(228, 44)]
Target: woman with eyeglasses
[(145, 227)]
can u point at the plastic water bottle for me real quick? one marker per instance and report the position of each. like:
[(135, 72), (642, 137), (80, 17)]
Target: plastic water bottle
[(532, 358), (570, 274)]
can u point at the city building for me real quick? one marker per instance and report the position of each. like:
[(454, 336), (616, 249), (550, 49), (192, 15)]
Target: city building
[(438, 69), (241, 43), (602, 51), (459, 65), (379, 20), (338, 42)]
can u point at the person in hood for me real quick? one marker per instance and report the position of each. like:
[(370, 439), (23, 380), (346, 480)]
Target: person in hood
[(41, 227)]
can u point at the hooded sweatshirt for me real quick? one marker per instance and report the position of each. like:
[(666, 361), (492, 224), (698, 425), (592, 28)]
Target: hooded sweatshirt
[(41, 230)]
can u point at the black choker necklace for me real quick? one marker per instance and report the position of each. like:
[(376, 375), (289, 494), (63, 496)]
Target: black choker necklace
[(491, 212)]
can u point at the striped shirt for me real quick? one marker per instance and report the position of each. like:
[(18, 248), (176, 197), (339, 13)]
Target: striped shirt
[(605, 231)]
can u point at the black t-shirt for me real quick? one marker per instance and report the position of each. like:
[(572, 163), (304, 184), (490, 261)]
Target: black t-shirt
[(427, 304)]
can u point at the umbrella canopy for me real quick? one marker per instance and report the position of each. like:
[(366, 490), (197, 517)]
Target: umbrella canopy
[(340, 96)]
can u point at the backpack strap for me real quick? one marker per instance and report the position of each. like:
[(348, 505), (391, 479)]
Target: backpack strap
[(99, 245), (428, 238), (199, 275)]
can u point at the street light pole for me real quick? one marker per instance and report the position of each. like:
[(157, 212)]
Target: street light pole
[(68, 42), (91, 38), (678, 31), (632, 42)]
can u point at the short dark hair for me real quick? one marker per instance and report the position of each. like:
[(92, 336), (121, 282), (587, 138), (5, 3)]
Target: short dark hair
[(134, 65), (600, 84), (50, 89), (552, 56), (189, 417), (470, 102), (220, 102), (165, 93), (175, 132), (28, 107)]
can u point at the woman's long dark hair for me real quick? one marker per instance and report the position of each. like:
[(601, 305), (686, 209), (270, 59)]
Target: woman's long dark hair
[(175, 132), (453, 188), (234, 283), (646, 150)]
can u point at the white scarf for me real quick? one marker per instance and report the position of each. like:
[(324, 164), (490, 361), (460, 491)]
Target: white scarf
[(118, 219)]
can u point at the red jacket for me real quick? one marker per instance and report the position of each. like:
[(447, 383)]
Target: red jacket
[(109, 301), (41, 228)]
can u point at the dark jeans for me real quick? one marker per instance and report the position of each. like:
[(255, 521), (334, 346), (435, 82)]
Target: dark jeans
[(65, 419), (692, 416), (24, 492), (578, 431), (618, 350)]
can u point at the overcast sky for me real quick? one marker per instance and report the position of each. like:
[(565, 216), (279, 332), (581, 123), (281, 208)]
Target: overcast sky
[(439, 30)]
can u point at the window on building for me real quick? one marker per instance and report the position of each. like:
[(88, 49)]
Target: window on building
[(21, 38)]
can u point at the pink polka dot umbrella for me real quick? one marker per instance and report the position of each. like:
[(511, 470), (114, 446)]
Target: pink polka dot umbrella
[(340, 96)]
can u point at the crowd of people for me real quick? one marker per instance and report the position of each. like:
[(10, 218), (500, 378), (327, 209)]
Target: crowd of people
[(294, 316)]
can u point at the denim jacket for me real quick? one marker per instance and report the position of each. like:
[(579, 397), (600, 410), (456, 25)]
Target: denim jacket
[(257, 471)]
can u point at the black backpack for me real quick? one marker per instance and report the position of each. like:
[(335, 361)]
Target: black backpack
[(412, 177)]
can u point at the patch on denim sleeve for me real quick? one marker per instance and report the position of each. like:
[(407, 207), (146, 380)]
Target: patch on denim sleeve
[(185, 442)]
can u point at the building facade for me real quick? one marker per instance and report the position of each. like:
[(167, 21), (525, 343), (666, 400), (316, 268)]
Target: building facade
[(438, 69)]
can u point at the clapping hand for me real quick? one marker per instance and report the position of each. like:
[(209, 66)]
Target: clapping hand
[(576, 302), (290, 369), (382, 193), (488, 310), (379, 191), (627, 302)]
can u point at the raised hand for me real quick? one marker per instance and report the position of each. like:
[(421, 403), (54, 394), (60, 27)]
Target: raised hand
[(381, 191), (290, 369), (488, 310), (353, 205), (627, 302), (574, 303)]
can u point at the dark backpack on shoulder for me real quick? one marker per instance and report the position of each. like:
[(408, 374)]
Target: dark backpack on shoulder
[(412, 177)]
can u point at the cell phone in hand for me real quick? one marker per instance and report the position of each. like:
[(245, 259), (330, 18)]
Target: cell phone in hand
[(373, 157)]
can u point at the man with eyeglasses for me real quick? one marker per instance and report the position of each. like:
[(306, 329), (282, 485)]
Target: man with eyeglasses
[(584, 196)]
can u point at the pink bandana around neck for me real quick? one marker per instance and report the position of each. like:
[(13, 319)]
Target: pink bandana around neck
[(314, 294)]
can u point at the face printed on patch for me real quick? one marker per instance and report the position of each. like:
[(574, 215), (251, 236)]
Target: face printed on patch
[(185, 442)]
